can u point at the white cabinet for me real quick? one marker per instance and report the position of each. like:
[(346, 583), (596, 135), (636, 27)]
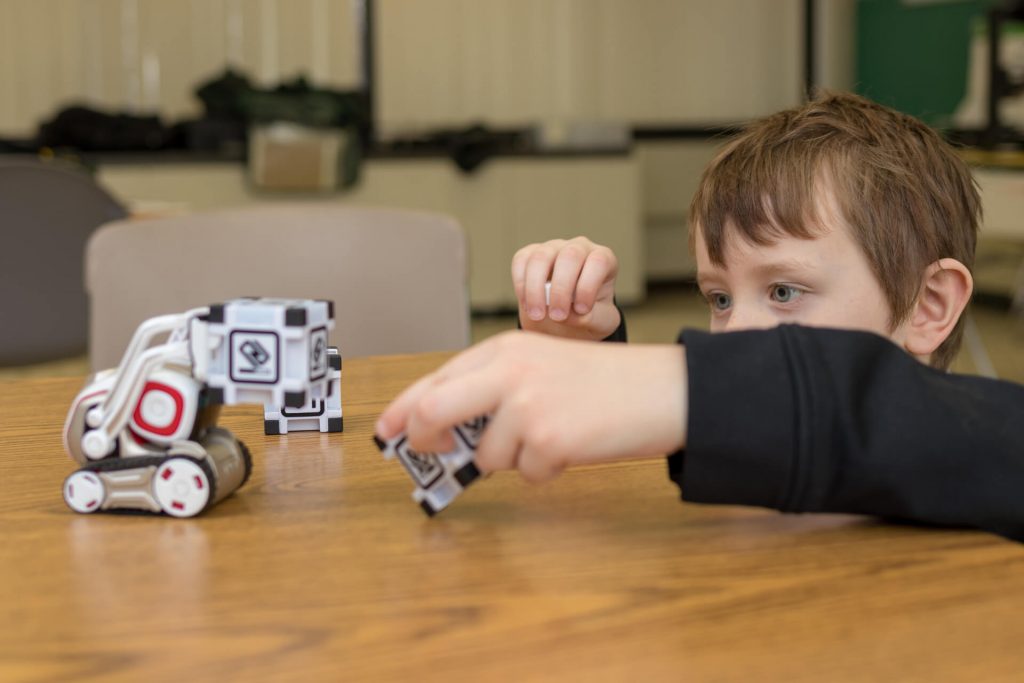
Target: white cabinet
[(670, 171)]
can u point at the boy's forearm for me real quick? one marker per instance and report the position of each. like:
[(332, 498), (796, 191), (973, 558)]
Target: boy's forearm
[(810, 420)]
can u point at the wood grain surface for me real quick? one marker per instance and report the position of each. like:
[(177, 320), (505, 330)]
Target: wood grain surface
[(322, 568)]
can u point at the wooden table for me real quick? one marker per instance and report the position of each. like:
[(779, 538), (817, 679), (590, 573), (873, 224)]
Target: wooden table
[(322, 568)]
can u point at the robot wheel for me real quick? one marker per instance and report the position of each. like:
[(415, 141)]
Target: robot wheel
[(183, 486)]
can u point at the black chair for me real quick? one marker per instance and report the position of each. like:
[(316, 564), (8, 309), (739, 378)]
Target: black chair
[(47, 213)]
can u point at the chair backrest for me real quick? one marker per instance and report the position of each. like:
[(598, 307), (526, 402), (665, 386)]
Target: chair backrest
[(398, 279), (47, 212)]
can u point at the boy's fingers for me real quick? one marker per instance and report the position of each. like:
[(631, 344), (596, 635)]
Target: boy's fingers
[(563, 281), (599, 267), (538, 272), (538, 467), (519, 271), (499, 446), (450, 403), (395, 417)]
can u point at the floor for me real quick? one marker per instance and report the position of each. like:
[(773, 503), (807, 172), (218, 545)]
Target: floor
[(671, 307)]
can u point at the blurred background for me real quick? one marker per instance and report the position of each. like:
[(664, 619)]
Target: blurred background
[(524, 119)]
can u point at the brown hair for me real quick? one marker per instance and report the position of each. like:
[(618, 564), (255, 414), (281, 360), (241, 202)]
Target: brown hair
[(908, 198)]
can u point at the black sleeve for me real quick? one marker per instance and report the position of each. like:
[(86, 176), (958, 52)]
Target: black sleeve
[(813, 420), (619, 335)]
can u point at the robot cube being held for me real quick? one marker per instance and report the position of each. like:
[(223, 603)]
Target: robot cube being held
[(145, 432), (439, 477)]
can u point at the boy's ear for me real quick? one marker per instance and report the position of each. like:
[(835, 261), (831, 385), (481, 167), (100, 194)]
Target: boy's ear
[(945, 290)]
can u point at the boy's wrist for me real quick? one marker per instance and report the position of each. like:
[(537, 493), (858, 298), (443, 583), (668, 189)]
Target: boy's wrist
[(674, 385), (618, 334)]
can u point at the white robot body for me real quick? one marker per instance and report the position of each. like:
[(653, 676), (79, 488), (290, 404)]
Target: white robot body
[(145, 432)]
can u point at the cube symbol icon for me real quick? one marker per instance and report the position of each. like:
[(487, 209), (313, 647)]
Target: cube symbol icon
[(318, 359), (424, 467), (254, 357)]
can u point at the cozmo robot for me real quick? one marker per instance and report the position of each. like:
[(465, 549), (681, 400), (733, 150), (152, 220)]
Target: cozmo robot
[(145, 433)]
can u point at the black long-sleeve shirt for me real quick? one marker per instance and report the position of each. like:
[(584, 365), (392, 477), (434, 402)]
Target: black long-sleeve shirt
[(816, 420), (804, 419)]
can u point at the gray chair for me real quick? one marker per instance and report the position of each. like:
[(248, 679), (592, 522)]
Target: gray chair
[(397, 278), (47, 212)]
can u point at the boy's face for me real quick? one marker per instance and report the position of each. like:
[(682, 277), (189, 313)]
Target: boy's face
[(821, 282)]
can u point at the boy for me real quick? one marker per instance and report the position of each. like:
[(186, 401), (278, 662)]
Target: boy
[(837, 214)]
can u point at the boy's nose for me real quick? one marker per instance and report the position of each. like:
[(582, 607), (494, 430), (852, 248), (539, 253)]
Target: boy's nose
[(749, 318)]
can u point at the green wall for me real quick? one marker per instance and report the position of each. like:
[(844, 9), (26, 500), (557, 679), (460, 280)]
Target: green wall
[(913, 55)]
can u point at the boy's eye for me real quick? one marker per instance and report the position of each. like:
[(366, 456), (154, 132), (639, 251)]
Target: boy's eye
[(720, 301), (785, 294)]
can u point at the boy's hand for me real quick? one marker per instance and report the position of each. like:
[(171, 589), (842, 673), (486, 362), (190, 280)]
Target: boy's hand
[(582, 276), (553, 403)]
